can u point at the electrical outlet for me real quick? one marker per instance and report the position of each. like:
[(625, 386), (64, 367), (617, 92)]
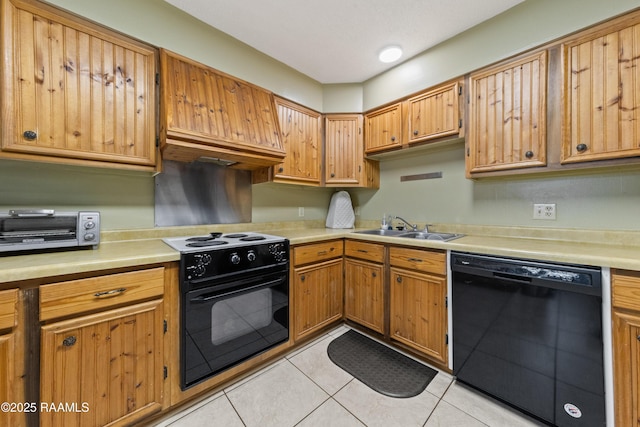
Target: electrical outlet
[(301, 211), (544, 211), (356, 211)]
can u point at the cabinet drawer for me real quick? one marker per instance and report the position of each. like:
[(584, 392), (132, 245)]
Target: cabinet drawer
[(101, 292), (8, 301), (426, 260), (368, 251), (626, 289), (317, 252)]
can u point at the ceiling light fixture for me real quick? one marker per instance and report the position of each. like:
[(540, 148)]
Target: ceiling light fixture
[(390, 54)]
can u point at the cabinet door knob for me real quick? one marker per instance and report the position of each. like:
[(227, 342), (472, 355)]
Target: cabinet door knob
[(374, 274), (302, 278), (280, 169), (581, 148), (30, 135), (529, 154), (393, 138), (399, 279), (333, 175), (638, 337), (415, 132), (69, 341)]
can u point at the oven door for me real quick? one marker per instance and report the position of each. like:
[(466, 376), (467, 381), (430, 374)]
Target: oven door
[(227, 323)]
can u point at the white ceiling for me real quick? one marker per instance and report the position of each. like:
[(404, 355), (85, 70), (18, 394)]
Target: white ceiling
[(338, 41)]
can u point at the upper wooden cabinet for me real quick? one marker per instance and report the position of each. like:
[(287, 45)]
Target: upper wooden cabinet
[(344, 162), (601, 92), (74, 91), (434, 114), (383, 129), (507, 118), (206, 113), (301, 131)]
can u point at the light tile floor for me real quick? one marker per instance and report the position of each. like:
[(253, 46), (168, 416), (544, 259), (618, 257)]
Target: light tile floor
[(306, 389)]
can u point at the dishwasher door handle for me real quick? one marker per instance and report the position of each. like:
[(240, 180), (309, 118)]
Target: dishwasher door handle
[(512, 277)]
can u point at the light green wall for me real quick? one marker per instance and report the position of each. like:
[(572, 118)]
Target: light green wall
[(598, 200), (607, 200)]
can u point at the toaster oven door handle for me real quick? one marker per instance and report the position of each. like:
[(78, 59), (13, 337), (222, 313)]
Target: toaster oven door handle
[(31, 212)]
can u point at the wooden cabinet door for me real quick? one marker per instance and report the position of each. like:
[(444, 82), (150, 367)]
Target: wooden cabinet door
[(344, 156), (364, 293), (300, 129), (75, 90), (418, 312), (383, 129), (507, 118), (434, 114), (317, 296), (601, 92), (626, 367), (111, 362), (11, 360)]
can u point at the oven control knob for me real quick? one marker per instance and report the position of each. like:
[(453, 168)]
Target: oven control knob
[(89, 225), (235, 258), (197, 270), (204, 259), (251, 256)]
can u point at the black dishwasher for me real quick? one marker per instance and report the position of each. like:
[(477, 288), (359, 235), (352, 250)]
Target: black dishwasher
[(530, 334)]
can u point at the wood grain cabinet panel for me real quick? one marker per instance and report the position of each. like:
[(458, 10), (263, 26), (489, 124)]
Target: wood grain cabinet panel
[(364, 293), (418, 313), (507, 118), (207, 113), (345, 164), (417, 300), (318, 290), (102, 344), (625, 287), (301, 134), (602, 94), (383, 129), (434, 114), (73, 90), (109, 362), (11, 358)]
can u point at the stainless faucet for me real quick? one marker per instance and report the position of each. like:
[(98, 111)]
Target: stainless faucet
[(414, 227)]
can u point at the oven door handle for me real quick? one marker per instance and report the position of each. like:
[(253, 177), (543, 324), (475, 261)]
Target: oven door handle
[(208, 297)]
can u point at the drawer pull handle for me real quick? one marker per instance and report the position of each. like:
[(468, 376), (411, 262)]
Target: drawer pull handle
[(363, 251), (110, 293), (69, 341), (415, 260), (30, 135), (322, 252)]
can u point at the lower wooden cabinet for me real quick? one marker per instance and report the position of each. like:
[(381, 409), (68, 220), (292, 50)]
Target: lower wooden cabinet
[(417, 301), (364, 293), (626, 347), (318, 296), (364, 284), (107, 363), (11, 360)]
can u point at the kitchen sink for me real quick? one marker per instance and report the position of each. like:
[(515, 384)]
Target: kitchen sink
[(444, 237), (382, 232)]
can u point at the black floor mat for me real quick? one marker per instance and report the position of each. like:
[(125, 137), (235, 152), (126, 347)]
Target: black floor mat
[(378, 366)]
